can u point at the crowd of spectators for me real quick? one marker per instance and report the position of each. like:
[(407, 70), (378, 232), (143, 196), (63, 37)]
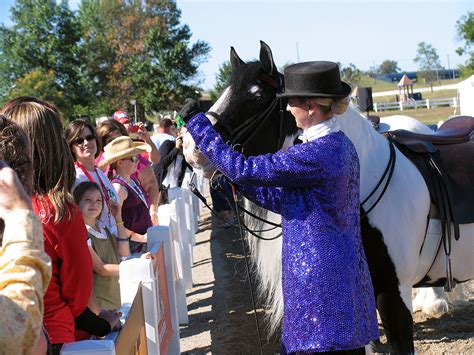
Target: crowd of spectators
[(84, 197)]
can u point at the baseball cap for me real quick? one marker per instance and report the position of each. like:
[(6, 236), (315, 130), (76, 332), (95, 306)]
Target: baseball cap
[(122, 117)]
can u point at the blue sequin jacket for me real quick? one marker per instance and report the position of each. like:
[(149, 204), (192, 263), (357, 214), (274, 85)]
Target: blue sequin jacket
[(328, 295)]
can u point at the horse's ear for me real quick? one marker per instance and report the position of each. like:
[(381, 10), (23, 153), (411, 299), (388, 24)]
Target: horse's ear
[(235, 60), (266, 58)]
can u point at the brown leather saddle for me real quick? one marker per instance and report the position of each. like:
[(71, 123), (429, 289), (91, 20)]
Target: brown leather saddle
[(446, 161)]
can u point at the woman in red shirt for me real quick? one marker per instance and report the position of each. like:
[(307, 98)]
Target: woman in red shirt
[(64, 232)]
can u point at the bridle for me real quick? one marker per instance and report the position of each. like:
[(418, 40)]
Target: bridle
[(246, 131)]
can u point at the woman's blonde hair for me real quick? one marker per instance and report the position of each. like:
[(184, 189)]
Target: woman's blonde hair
[(336, 106), (53, 167)]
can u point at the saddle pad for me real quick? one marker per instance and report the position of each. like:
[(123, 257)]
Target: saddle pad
[(457, 164)]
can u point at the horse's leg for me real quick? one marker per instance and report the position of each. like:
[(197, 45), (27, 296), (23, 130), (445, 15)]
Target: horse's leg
[(393, 310), (397, 319)]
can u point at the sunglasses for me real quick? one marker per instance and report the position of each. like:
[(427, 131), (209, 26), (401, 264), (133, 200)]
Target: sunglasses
[(132, 159), (81, 140)]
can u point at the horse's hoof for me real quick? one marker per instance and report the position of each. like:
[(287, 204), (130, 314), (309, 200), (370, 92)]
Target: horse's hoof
[(437, 308)]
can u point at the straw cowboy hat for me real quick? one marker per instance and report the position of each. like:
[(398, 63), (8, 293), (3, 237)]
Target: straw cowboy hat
[(121, 148), (314, 79)]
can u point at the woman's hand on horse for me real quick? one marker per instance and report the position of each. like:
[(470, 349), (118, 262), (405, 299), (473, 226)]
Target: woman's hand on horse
[(191, 107)]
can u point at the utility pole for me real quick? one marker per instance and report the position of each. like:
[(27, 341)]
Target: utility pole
[(297, 53), (449, 68)]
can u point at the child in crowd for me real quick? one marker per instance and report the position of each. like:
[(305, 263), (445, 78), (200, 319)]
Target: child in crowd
[(105, 248), (121, 154), (106, 132)]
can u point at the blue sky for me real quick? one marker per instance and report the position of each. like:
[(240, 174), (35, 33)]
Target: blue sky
[(360, 32)]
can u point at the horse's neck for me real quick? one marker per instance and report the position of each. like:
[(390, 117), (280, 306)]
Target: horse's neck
[(371, 147)]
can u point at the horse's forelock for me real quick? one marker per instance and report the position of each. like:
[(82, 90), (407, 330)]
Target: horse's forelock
[(240, 80)]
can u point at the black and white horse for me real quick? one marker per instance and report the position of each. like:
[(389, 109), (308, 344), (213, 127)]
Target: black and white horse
[(247, 114)]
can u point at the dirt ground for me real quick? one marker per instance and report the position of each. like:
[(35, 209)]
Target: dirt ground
[(221, 317)]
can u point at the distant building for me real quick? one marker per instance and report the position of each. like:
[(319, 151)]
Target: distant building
[(413, 75)]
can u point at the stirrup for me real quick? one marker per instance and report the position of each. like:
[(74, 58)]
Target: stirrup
[(450, 282)]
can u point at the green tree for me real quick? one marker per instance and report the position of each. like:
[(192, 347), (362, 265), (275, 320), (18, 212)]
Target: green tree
[(222, 80), (44, 36), (141, 52), (428, 63), (388, 67), (351, 74), (103, 56), (39, 84), (465, 30)]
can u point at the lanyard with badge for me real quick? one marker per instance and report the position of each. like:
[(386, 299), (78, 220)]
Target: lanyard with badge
[(135, 188)]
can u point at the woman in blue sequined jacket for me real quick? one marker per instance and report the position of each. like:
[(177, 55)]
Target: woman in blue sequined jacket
[(328, 296)]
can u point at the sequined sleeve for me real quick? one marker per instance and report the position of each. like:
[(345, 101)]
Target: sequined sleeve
[(267, 197), (25, 271), (302, 165)]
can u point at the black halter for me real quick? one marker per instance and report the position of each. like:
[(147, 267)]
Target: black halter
[(246, 131)]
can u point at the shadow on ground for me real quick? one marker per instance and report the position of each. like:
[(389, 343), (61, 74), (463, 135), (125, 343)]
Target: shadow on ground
[(231, 321)]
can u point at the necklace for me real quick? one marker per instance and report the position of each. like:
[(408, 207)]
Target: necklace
[(135, 188)]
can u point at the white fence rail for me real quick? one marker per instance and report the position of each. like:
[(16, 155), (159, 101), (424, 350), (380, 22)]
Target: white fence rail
[(414, 104), (153, 291)]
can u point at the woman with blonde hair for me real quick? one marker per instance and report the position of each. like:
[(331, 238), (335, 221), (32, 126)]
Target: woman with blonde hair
[(64, 232), (314, 186)]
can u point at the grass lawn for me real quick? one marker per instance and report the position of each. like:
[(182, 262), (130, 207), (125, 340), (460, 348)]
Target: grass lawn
[(427, 116)]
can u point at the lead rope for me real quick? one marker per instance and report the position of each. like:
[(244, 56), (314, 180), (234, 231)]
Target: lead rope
[(247, 266)]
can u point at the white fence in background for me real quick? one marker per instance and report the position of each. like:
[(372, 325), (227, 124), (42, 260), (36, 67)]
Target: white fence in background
[(414, 104)]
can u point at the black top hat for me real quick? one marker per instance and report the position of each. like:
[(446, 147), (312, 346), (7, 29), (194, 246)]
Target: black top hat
[(314, 79)]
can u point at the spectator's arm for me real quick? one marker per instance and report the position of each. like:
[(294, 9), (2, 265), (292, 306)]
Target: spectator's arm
[(25, 271), (154, 155), (150, 185), (100, 267), (75, 272)]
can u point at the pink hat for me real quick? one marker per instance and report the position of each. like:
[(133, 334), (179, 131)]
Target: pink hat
[(122, 117)]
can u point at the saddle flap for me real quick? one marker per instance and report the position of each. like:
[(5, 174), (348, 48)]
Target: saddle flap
[(456, 164)]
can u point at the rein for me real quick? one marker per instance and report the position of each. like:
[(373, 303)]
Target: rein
[(236, 207), (388, 171)]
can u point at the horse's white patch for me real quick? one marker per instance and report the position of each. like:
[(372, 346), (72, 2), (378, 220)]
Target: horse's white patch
[(220, 104), (391, 123), (255, 90)]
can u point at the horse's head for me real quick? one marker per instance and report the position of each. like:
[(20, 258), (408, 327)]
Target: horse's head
[(248, 114)]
